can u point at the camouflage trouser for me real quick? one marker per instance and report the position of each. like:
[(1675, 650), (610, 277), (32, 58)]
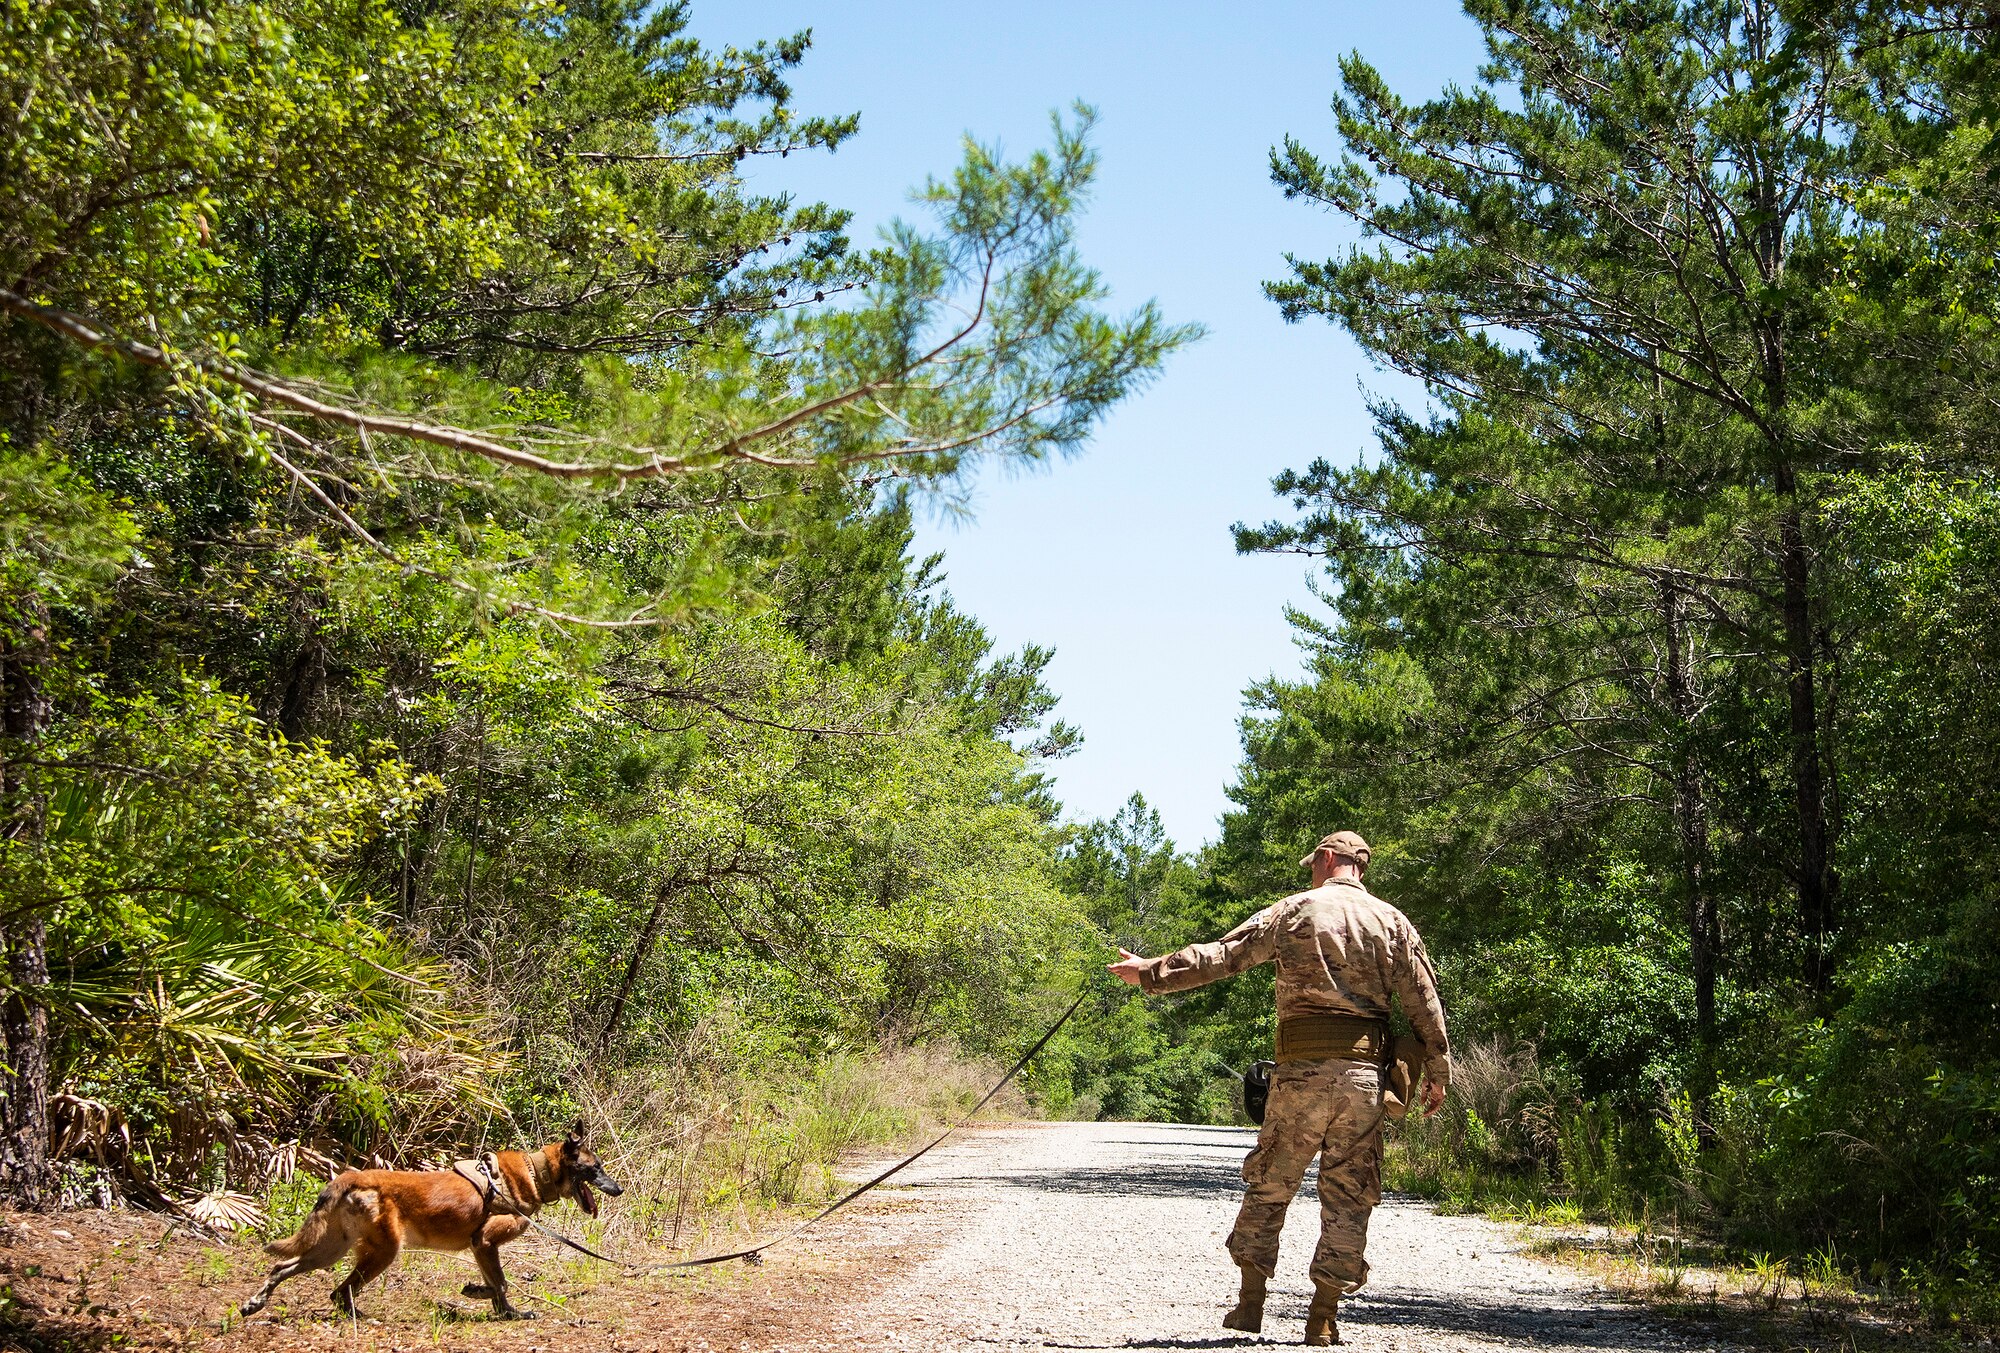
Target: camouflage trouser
[(1328, 1109)]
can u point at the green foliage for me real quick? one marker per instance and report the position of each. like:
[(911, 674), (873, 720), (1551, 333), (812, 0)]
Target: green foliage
[(209, 973), (457, 567), (59, 538), (1655, 651), (1124, 1056)]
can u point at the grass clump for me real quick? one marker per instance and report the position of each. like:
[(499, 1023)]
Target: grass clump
[(717, 1140), (1671, 1215)]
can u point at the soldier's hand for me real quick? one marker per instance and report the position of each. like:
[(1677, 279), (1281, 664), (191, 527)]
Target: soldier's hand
[(1433, 1097), (1128, 967)]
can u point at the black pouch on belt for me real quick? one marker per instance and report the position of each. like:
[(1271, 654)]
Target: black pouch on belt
[(1257, 1090)]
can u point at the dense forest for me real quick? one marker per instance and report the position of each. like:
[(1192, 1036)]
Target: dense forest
[(1654, 658), (462, 658)]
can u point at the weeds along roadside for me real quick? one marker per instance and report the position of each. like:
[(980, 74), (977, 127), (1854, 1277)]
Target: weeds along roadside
[(714, 1145), (1628, 1192), (714, 1153)]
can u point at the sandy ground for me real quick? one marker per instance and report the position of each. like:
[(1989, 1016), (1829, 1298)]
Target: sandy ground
[(1058, 1235)]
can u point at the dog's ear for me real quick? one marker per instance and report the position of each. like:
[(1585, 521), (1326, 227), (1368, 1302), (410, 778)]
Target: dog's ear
[(576, 1131)]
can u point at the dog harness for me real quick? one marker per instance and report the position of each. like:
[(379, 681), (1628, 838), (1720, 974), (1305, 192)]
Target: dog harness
[(483, 1173)]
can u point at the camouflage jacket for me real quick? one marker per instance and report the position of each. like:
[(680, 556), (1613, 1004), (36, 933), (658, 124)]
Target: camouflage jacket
[(1340, 950)]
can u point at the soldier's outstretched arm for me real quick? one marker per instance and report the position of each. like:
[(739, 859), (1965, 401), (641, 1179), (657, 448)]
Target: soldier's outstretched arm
[(1128, 967), (1249, 944)]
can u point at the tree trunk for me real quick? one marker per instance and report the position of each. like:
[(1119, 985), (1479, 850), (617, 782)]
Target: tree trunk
[(478, 797), (26, 1175), (1818, 883), (1691, 827), (303, 685), (640, 950)]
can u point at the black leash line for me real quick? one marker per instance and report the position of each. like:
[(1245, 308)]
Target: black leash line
[(755, 1254)]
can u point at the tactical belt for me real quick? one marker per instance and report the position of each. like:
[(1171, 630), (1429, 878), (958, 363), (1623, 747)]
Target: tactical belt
[(1319, 1038)]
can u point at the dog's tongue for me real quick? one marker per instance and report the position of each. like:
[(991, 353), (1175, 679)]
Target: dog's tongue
[(585, 1199)]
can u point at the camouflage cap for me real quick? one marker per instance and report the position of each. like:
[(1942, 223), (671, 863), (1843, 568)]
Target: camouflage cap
[(1349, 844)]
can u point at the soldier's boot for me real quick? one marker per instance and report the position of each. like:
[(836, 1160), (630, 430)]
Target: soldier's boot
[(1321, 1327), (1248, 1313)]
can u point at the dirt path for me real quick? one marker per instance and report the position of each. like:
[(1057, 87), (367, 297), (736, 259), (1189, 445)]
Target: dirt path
[(1109, 1235), (1054, 1235)]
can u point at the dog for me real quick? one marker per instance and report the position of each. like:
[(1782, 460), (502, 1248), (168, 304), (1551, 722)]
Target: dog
[(475, 1205)]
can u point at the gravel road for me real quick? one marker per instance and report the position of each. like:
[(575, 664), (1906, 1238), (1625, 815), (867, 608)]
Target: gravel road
[(1109, 1235)]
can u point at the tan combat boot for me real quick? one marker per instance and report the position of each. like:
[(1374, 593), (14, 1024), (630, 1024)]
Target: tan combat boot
[(1320, 1327), (1248, 1314)]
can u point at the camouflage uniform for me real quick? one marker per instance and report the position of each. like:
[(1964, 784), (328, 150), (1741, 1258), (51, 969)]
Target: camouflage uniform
[(1340, 951)]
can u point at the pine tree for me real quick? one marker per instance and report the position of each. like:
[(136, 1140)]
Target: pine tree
[(1638, 197)]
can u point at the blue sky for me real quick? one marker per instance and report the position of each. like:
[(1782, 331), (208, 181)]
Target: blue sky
[(1121, 558)]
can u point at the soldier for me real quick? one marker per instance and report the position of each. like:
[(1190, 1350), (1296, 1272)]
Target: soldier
[(1341, 952)]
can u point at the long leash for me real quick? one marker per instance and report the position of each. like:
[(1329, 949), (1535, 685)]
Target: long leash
[(755, 1254)]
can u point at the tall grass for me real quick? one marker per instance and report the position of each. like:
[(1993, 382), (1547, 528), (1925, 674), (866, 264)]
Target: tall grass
[(713, 1142), (1513, 1141), (1512, 1137), (1495, 1141)]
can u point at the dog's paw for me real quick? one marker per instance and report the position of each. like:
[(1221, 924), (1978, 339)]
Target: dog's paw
[(475, 1290), (513, 1313), (251, 1307)]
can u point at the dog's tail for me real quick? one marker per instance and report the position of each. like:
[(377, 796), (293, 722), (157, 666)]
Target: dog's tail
[(315, 1227)]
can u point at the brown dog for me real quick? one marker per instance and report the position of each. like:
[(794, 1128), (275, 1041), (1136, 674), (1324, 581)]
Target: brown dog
[(376, 1213)]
